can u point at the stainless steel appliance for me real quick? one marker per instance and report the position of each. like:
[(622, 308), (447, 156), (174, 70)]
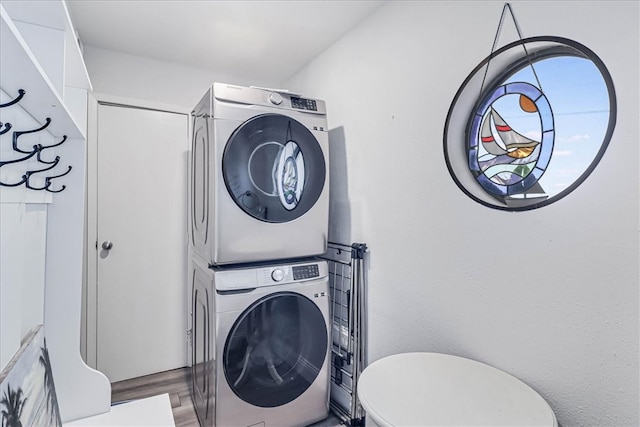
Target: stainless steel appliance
[(260, 185), (261, 344)]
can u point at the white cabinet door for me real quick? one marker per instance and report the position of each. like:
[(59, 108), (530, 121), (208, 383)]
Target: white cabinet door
[(142, 217)]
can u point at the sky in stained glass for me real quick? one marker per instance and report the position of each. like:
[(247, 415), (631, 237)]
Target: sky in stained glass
[(579, 100)]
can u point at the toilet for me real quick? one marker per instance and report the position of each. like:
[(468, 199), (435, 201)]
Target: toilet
[(433, 389)]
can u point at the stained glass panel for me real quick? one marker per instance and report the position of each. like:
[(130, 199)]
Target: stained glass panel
[(541, 123)]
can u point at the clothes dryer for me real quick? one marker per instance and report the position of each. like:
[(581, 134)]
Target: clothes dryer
[(260, 185), (261, 344)]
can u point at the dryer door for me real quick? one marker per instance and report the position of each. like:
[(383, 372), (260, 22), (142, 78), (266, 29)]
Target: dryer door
[(199, 208), (274, 168), (275, 349)]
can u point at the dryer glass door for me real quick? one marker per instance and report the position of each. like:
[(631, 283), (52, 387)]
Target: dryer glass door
[(274, 168), (275, 349)]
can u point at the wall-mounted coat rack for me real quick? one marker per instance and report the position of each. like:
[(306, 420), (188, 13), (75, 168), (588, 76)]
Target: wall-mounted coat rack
[(35, 150)]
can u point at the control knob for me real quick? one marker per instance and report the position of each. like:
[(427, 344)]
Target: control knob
[(277, 275), (275, 98)]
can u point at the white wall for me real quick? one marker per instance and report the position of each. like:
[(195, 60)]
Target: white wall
[(550, 295), (23, 229), (147, 79)]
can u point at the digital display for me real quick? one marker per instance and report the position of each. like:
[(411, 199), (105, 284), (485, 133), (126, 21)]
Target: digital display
[(304, 104), (305, 271)]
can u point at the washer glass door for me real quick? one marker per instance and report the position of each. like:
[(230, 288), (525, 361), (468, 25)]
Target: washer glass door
[(275, 349), (274, 168)]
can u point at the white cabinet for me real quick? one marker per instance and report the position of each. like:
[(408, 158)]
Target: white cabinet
[(42, 231)]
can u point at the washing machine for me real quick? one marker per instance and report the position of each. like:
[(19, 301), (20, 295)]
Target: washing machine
[(260, 338), (260, 185)]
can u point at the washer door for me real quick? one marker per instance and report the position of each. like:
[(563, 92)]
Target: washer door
[(274, 168), (275, 349), (202, 366)]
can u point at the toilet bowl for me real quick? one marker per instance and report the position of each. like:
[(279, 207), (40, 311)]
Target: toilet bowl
[(432, 389)]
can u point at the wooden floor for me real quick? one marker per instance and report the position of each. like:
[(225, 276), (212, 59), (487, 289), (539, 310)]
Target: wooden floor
[(176, 384)]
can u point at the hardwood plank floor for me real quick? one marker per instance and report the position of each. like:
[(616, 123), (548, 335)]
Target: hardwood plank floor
[(176, 384)]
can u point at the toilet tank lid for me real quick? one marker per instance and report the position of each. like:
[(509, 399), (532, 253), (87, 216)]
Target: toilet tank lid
[(411, 389)]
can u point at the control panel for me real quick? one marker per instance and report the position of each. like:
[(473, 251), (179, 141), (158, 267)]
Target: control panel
[(287, 273), (304, 104), (301, 272), (274, 98), (231, 279)]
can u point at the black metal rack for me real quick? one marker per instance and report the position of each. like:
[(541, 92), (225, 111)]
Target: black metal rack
[(347, 286)]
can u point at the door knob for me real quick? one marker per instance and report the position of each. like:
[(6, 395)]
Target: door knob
[(107, 245)]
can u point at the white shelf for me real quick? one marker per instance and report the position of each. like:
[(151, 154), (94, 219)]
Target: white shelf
[(39, 53), (54, 14), (20, 69)]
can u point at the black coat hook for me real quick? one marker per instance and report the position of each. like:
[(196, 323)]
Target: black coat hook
[(52, 165), (29, 173), (35, 151), (18, 134), (22, 181), (7, 126), (44, 147), (49, 178), (24, 177), (39, 157), (15, 100), (41, 160), (54, 191), (28, 184)]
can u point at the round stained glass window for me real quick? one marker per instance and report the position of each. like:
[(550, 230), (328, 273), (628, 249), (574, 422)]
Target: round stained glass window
[(530, 123)]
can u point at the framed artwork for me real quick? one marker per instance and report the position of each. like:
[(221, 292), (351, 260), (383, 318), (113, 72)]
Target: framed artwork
[(27, 390)]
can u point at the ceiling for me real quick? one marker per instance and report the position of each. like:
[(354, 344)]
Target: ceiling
[(261, 39)]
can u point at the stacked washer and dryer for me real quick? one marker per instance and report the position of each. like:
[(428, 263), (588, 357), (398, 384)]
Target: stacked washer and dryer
[(260, 302)]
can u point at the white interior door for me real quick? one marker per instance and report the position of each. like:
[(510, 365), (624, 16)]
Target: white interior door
[(142, 242)]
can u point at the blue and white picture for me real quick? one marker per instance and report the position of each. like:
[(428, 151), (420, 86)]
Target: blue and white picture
[(27, 390)]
